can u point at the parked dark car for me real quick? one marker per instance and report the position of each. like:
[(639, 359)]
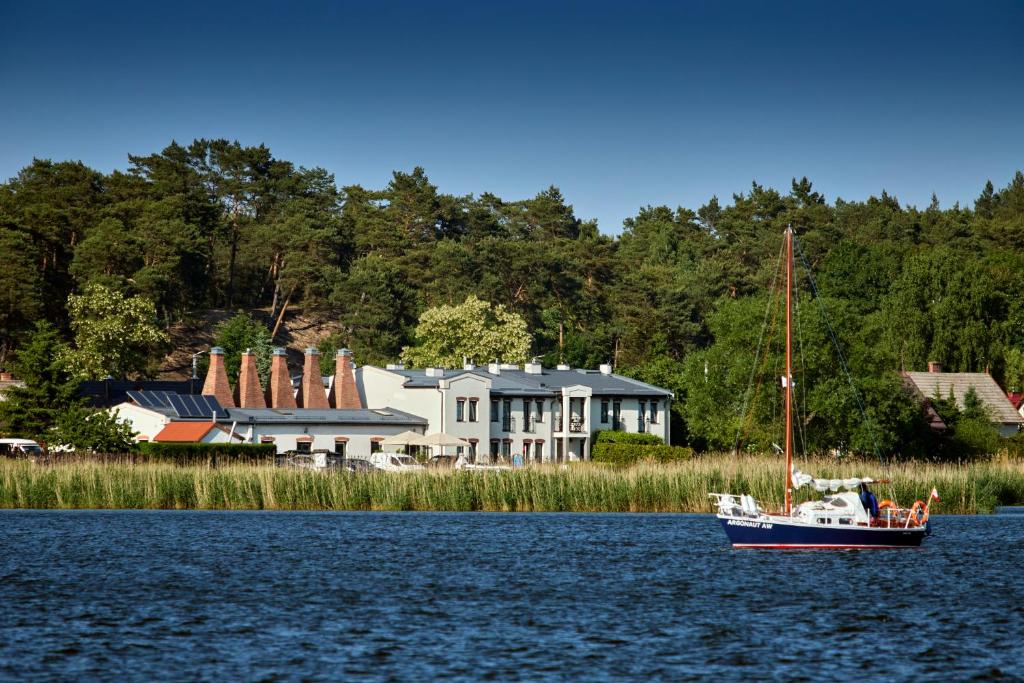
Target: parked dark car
[(356, 465)]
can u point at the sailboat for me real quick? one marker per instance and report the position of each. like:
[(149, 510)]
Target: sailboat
[(838, 520)]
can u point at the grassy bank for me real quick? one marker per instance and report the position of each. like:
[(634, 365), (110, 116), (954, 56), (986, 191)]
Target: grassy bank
[(681, 487)]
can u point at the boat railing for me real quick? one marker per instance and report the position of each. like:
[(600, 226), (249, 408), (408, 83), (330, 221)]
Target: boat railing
[(737, 506)]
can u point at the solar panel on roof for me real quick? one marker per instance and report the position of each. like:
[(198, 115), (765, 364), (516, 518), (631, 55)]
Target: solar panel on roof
[(179, 407), (139, 398), (213, 406)]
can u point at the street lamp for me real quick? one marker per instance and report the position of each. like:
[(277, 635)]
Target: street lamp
[(195, 363)]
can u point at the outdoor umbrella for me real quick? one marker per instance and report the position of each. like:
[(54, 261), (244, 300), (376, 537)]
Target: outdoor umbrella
[(440, 440), (407, 438)]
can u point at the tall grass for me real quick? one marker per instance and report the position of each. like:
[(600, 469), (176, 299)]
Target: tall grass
[(678, 487)]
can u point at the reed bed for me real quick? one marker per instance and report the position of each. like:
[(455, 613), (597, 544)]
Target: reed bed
[(585, 487)]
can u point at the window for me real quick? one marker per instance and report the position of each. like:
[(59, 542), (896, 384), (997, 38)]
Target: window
[(494, 410), (304, 446), (506, 415), (538, 451), (266, 439), (540, 411), (654, 412), (473, 417), (375, 447), (526, 415), (494, 450), (641, 417), (506, 449), (458, 450), (460, 410), (472, 451), (604, 412), (339, 448), (616, 414)]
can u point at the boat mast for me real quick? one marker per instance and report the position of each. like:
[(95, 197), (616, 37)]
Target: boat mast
[(789, 371)]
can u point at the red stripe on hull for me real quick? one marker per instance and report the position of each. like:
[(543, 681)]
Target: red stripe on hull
[(786, 546)]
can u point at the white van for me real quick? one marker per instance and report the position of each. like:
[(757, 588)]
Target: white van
[(19, 448), (391, 462)]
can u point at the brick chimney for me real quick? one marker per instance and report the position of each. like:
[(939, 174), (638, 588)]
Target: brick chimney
[(313, 394), (346, 395), (279, 390), (216, 383), (934, 366), (250, 394)]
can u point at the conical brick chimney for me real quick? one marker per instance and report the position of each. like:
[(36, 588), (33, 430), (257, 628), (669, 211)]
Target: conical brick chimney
[(346, 396), (250, 394), (313, 394), (279, 390), (216, 383)]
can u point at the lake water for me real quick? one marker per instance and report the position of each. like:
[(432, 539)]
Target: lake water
[(419, 596)]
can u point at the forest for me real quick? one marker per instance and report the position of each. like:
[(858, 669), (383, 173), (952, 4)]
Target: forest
[(677, 298)]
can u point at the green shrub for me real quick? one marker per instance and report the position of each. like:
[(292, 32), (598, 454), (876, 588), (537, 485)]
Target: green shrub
[(214, 453), (630, 453), (609, 436)]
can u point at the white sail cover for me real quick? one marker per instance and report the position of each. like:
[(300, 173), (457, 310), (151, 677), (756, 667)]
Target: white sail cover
[(800, 480)]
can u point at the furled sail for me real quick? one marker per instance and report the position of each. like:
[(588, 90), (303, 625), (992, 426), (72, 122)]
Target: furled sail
[(800, 480)]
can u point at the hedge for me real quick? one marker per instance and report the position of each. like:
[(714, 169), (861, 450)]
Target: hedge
[(630, 453), (215, 453), (610, 436)]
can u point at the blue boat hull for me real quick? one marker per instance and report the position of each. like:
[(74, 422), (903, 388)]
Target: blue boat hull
[(744, 533)]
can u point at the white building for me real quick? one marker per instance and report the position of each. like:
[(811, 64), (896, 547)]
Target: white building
[(347, 432), (543, 414)]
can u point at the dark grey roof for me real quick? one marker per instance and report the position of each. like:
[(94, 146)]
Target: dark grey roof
[(363, 416), (549, 383)]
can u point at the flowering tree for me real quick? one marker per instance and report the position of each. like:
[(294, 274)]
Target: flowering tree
[(473, 330), (114, 334)]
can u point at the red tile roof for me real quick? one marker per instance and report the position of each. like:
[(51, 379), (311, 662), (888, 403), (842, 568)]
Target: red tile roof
[(185, 431)]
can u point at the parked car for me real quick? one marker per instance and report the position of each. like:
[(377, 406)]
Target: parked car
[(442, 461), (19, 448), (391, 462), (357, 465)]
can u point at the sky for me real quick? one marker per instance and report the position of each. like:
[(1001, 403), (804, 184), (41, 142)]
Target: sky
[(620, 105)]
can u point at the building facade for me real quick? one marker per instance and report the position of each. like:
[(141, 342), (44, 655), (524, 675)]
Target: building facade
[(507, 411)]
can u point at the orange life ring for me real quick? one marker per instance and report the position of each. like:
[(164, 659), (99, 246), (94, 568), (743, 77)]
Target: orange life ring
[(918, 514), (887, 504)]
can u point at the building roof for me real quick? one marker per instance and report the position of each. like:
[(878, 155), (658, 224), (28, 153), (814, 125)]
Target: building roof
[(1016, 399), (105, 393), (548, 383), (930, 384), (364, 416), (179, 432)]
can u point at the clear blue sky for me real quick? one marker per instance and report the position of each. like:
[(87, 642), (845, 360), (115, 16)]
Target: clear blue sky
[(618, 104)]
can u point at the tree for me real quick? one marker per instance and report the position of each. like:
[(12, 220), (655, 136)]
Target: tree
[(21, 288), (114, 335), (473, 330), (96, 431), (30, 411), (239, 333)]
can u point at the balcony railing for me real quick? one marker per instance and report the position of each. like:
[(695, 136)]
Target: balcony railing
[(577, 425)]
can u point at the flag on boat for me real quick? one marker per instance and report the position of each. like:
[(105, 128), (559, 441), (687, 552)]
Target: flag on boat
[(935, 494)]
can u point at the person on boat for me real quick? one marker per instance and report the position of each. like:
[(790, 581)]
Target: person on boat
[(868, 500)]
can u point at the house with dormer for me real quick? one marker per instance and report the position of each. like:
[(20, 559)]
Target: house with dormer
[(505, 410)]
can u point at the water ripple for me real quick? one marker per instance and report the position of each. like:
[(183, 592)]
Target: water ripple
[(409, 596)]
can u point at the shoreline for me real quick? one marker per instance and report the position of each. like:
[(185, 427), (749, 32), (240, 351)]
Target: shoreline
[(975, 488)]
